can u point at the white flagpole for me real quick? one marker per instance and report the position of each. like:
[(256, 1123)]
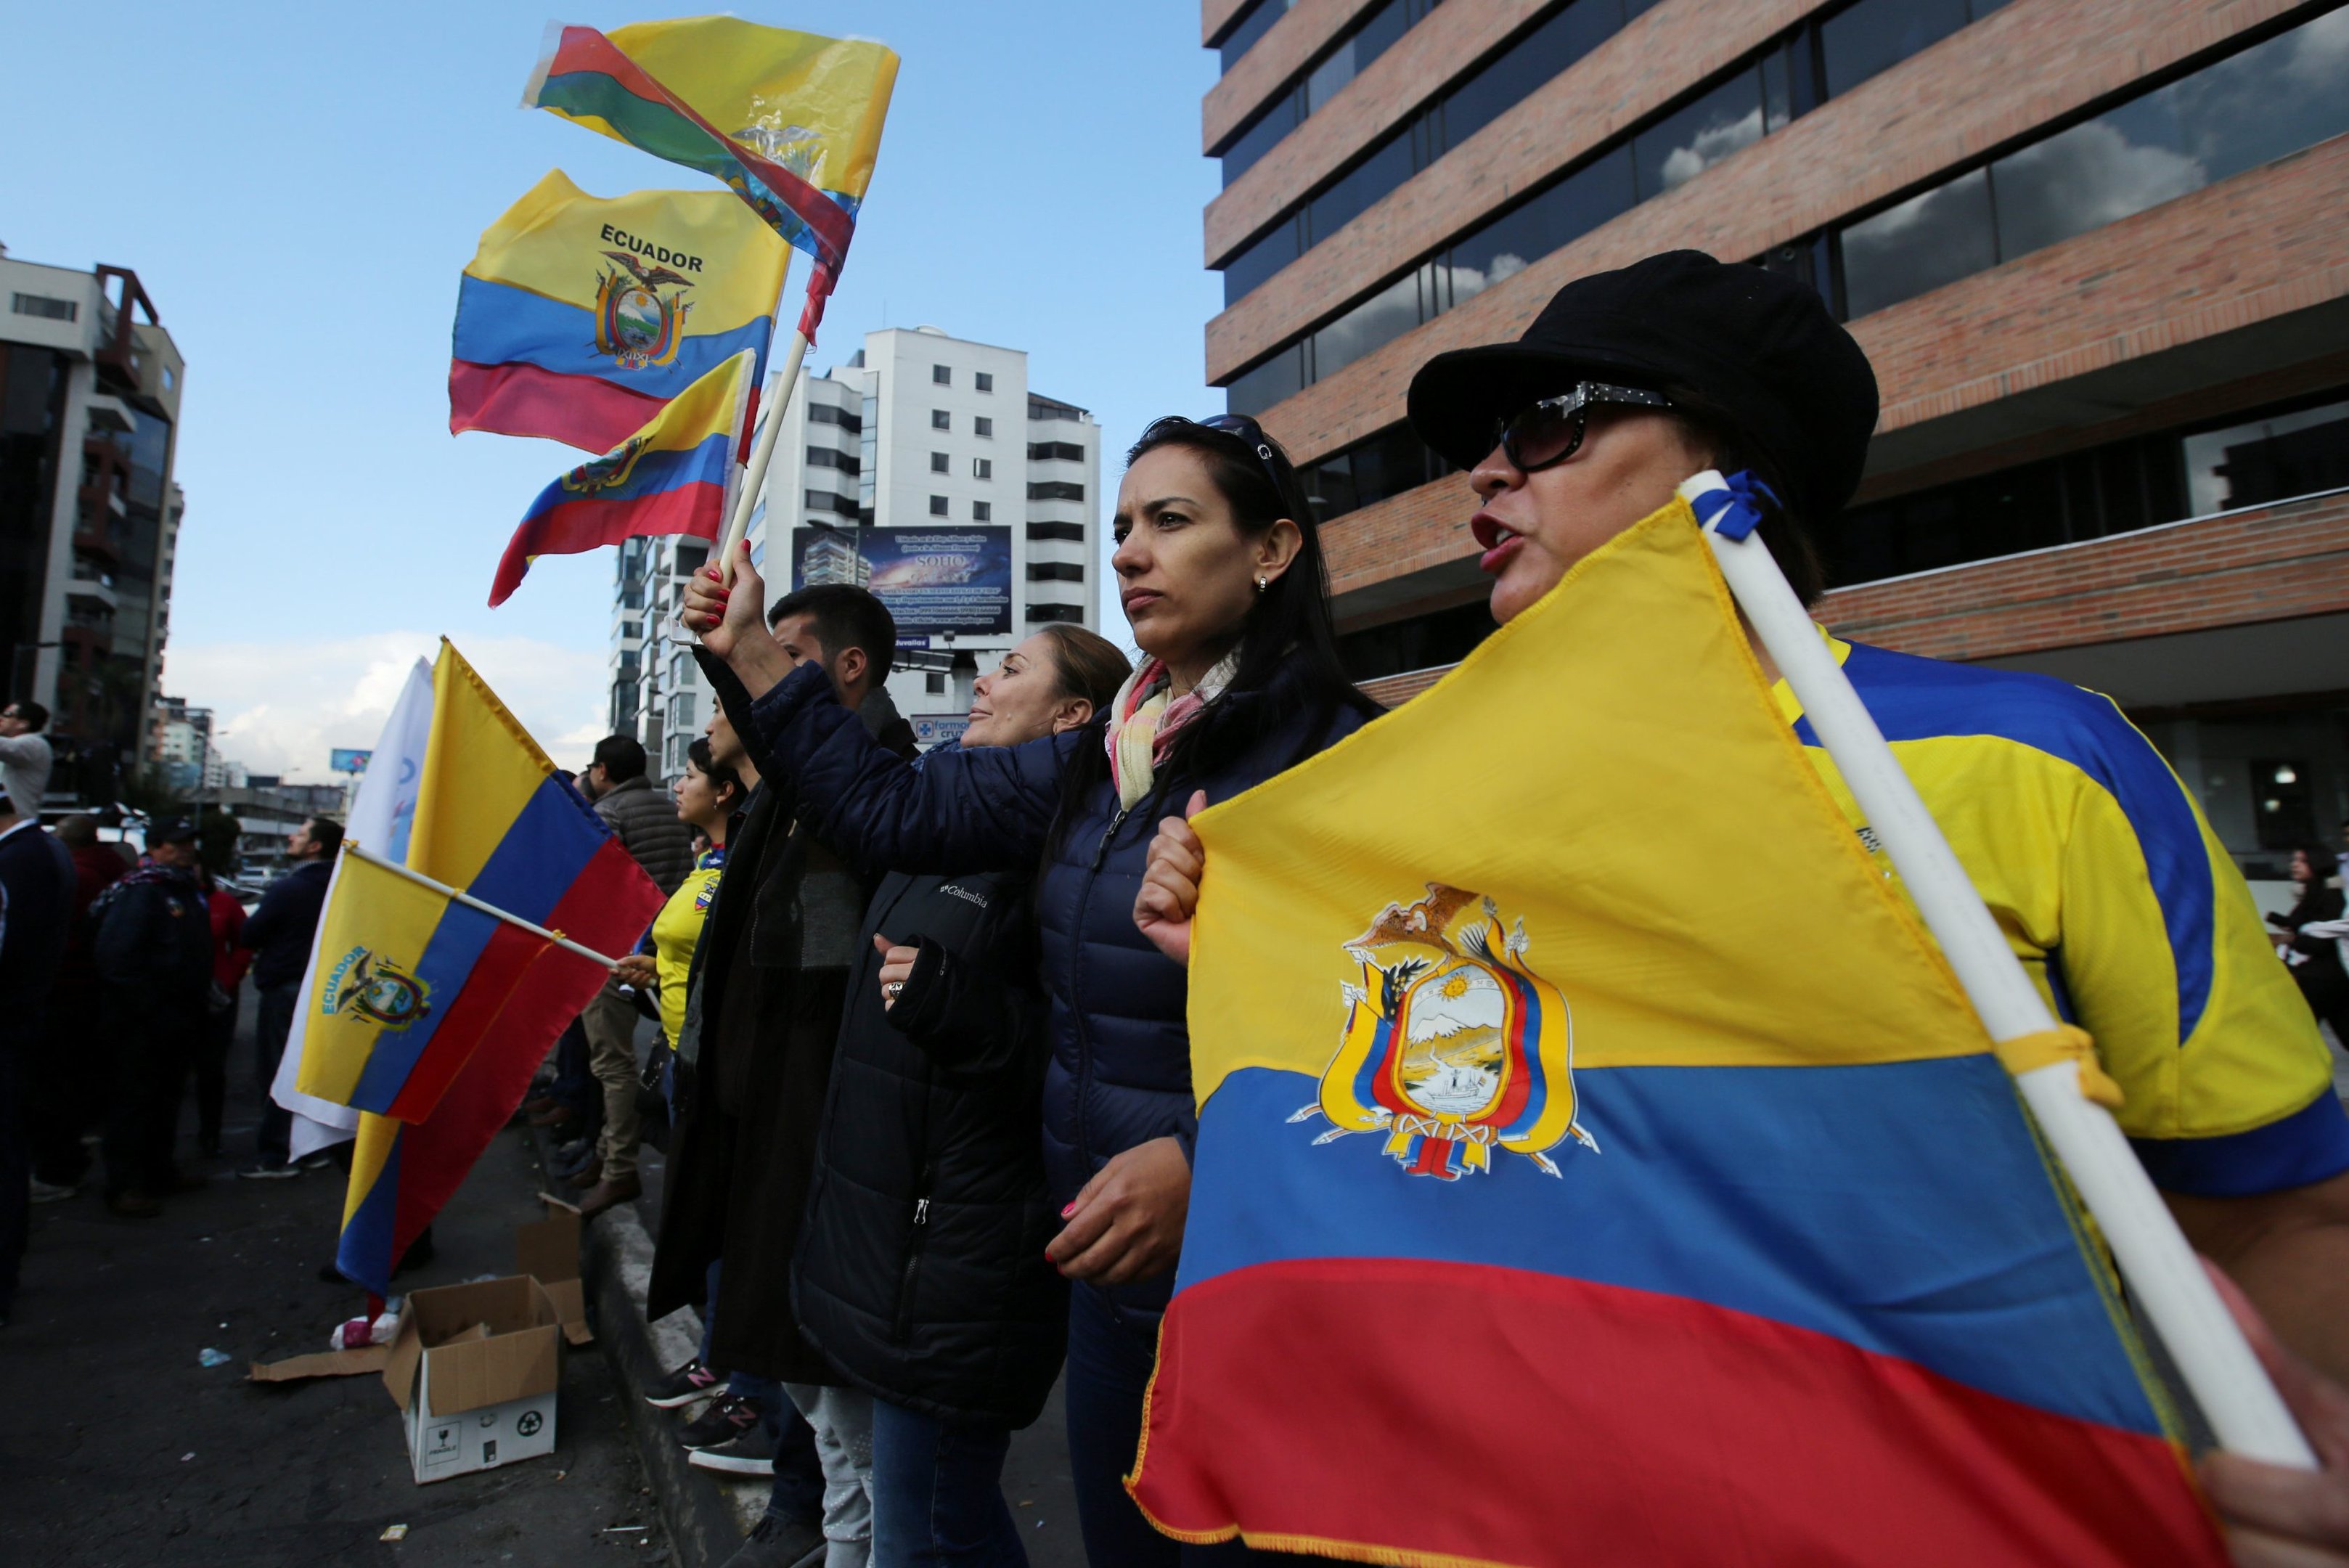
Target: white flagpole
[(557, 938), (2213, 1355), (762, 451)]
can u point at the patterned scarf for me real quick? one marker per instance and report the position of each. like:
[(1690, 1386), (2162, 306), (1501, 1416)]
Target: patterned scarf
[(1143, 722)]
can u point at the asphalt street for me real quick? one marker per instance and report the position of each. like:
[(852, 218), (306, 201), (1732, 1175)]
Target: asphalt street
[(119, 1448)]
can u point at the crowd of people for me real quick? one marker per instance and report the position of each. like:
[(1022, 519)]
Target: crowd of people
[(923, 1062)]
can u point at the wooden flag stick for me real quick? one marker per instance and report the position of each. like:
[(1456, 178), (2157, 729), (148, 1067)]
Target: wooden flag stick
[(419, 878), (2213, 1355)]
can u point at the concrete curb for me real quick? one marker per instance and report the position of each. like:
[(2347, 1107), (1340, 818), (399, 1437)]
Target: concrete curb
[(706, 1517)]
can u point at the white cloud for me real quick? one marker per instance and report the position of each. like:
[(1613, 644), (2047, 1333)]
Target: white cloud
[(279, 707)]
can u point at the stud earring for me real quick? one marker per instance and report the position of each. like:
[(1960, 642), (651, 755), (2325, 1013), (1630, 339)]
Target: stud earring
[(1262, 584)]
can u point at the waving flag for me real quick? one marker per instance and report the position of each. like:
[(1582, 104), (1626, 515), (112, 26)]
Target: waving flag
[(408, 983), (790, 122), (1597, 1161), (580, 318), (482, 999), (676, 475)]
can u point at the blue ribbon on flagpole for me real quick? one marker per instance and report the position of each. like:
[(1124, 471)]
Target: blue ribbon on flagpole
[(1735, 510)]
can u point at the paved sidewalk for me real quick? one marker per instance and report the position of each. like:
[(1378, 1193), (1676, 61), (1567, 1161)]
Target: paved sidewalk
[(117, 1448)]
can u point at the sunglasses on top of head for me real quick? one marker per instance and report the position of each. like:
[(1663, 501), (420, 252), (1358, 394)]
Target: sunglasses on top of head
[(1547, 433)]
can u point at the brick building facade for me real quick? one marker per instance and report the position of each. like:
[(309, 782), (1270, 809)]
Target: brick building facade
[(2093, 252)]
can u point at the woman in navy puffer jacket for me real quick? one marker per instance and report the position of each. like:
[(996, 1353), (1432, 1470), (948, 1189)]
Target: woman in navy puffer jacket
[(1221, 575)]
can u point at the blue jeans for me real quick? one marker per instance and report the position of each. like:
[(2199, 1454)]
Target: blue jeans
[(937, 1493), (1111, 1356)]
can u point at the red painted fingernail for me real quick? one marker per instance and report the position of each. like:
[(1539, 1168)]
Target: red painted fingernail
[(1072, 1209)]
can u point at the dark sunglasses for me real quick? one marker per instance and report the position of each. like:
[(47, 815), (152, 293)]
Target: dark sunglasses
[(1248, 431), (1550, 432)]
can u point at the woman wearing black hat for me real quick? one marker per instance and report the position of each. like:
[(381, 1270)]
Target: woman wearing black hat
[(2087, 849)]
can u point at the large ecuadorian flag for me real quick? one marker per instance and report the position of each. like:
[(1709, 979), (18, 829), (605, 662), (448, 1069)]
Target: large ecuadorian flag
[(1597, 1163), (790, 122), (482, 999), (579, 317), (676, 475)]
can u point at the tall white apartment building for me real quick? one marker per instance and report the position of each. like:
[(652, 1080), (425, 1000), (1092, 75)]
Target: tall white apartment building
[(924, 468)]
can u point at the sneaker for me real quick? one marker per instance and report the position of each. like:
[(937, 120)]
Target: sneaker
[(318, 1161), (729, 1416), (265, 1171), (751, 1454), (689, 1382), (779, 1543), (51, 1192)]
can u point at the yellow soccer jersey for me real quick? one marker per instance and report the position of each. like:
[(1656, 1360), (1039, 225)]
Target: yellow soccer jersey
[(2124, 908), (676, 929)]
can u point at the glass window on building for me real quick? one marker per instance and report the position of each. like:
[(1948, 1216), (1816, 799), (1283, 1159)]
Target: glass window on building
[(939, 463), (1931, 239), (983, 380), (1691, 140), (1876, 35), (940, 420), (941, 375), (2267, 459), (982, 512), (2269, 781), (981, 426), (937, 506), (1505, 248)]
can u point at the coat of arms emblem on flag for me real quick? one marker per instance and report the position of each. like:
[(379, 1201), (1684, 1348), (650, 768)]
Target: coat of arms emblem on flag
[(1453, 1046)]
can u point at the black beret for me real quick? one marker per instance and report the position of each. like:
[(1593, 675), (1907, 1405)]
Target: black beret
[(1759, 348), (173, 830)]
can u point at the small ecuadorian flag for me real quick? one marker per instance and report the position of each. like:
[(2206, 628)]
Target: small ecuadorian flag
[(579, 317), (430, 1016), (790, 122), (676, 475), (1598, 1163), (407, 983)]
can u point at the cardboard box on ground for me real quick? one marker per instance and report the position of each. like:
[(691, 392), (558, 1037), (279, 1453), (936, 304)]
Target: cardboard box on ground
[(474, 1367)]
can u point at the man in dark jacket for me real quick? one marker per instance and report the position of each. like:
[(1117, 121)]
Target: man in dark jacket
[(68, 1077), (647, 825), (153, 952), (766, 1002), (36, 883), (281, 931)]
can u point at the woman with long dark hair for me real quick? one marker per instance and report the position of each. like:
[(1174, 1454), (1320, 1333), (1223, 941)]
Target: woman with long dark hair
[(2315, 960), (1221, 575)]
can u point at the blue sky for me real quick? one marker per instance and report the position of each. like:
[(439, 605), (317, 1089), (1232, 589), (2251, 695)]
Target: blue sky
[(298, 186)]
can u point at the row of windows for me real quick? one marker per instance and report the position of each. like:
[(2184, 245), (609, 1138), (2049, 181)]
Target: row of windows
[(1055, 572), (1254, 21), (942, 376), (2258, 104), (2249, 109), (1055, 490), (981, 425), (1055, 451), (1319, 81), (2273, 455), (1072, 532), (42, 305), (825, 501), (828, 457), (825, 414), (1046, 409), (1055, 612), (980, 510), (981, 467)]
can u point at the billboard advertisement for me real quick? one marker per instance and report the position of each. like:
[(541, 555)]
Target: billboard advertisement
[(347, 761), (934, 580)]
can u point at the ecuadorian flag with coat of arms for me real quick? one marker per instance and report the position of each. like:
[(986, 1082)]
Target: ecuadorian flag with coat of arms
[(581, 316), (430, 1016), (676, 475), (1598, 1163)]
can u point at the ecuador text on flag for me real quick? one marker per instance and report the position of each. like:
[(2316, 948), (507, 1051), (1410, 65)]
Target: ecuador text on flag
[(789, 121), (676, 475), (579, 317), (1597, 1162)]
